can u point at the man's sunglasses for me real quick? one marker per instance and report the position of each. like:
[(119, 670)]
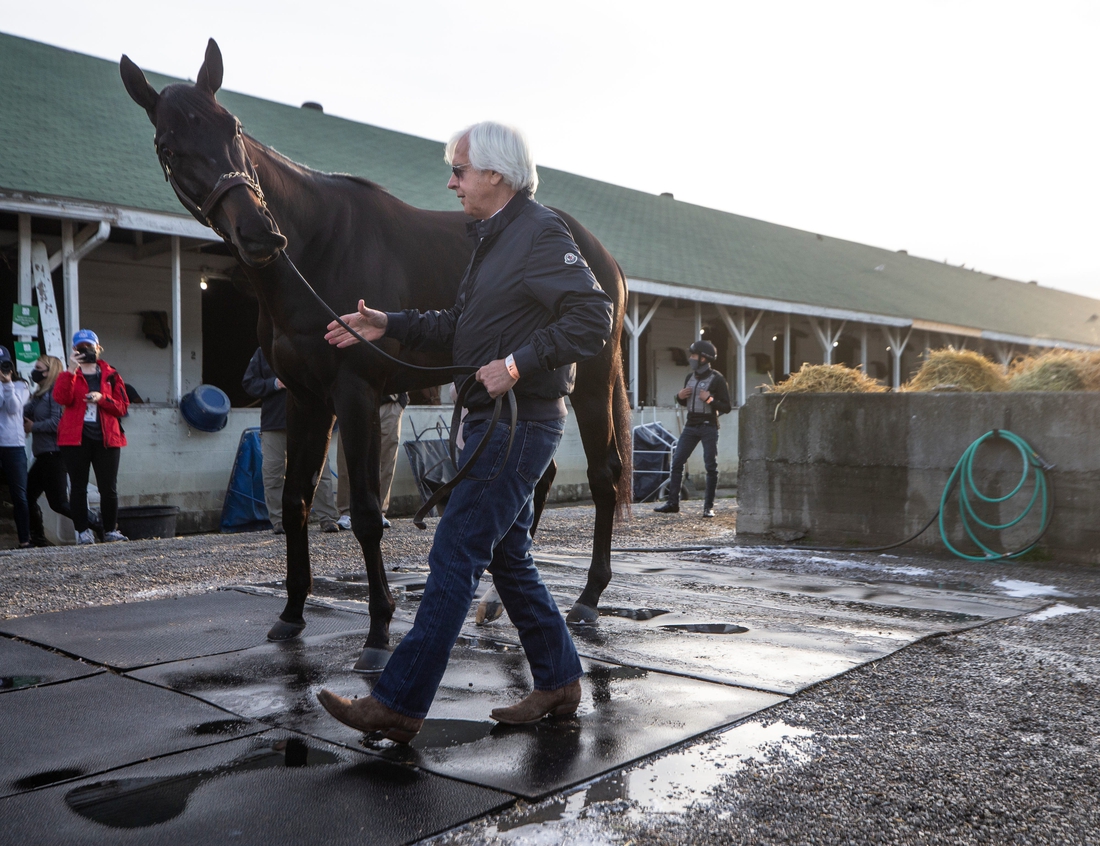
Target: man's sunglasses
[(457, 169)]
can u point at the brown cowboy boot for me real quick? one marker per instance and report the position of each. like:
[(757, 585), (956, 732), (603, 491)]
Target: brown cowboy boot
[(369, 715), (541, 703)]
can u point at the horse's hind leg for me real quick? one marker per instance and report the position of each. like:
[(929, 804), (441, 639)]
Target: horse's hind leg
[(309, 424), (490, 607), (598, 409)]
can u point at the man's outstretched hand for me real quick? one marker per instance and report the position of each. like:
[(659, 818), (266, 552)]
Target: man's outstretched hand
[(367, 322)]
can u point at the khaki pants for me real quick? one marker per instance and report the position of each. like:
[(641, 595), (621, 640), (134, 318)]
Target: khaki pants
[(390, 418), (273, 447)]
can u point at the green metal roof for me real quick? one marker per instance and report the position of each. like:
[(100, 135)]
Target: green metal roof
[(68, 129)]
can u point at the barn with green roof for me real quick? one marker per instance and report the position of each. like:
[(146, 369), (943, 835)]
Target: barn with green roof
[(93, 235)]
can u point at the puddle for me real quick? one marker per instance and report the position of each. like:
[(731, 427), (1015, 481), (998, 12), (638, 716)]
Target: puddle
[(49, 777), (633, 613), (16, 682), (1054, 611), (143, 802), (1025, 590), (219, 727), (706, 628), (668, 785)]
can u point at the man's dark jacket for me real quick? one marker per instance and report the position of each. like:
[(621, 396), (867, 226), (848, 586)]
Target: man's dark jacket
[(259, 382), (527, 291)]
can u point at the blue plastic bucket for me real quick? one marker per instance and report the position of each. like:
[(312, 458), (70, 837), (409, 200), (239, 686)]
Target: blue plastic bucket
[(206, 408)]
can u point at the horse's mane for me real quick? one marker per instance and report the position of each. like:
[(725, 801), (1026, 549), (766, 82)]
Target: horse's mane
[(312, 172)]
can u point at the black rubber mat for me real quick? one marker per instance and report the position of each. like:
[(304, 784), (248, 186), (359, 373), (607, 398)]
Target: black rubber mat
[(269, 789), (626, 712), (138, 634), (23, 665), (79, 728)]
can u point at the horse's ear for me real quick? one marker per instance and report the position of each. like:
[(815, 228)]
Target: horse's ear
[(210, 74), (138, 87)]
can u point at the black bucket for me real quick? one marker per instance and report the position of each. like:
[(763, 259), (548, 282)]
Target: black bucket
[(148, 521)]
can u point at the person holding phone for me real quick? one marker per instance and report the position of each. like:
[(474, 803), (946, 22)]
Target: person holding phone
[(13, 443), (93, 397)]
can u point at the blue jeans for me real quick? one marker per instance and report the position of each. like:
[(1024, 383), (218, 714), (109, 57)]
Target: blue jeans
[(14, 461), (485, 525), (691, 437)]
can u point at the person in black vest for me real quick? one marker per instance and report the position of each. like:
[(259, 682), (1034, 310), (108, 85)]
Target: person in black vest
[(705, 395)]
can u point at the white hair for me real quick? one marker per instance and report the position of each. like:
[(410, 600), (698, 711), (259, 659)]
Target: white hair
[(500, 148)]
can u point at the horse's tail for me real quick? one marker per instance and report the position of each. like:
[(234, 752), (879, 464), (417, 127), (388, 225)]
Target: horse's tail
[(624, 446)]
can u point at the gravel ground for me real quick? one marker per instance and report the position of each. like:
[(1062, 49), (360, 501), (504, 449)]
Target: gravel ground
[(990, 736)]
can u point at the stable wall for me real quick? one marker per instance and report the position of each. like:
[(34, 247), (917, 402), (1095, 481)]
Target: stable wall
[(869, 469)]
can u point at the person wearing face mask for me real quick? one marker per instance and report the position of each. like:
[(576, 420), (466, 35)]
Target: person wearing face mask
[(13, 443), (41, 416), (705, 395), (93, 398)]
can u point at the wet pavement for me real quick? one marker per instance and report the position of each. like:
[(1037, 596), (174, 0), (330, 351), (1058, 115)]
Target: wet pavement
[(173, 720)]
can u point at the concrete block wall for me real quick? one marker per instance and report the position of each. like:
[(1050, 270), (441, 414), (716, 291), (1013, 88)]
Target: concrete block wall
[(869, 469), (168, 463)]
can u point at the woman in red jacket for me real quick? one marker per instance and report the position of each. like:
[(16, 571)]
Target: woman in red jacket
[(93, 397)]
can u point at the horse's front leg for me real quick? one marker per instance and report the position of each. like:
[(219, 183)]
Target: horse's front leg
[(308, 427), (357, 406)]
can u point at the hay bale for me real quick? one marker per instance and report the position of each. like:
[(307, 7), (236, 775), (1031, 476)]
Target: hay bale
[(827, 379), (957, 370), (1053, 370), (1090, 369)]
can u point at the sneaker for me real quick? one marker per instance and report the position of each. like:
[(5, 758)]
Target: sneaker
[(115, 535), (344, 522), (87, 536), (668, 508), (330, 527), (708, 512), (385, 522)]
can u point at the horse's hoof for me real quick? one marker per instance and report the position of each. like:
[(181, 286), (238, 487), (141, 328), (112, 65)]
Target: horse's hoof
[(585, 615), (488, 610), (283, 630), (372, 660)]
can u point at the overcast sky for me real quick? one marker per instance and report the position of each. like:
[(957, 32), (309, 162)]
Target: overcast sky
[(964, 130)]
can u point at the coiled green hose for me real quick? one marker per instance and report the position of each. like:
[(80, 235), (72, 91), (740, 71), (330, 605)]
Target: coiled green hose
[(963, 478)]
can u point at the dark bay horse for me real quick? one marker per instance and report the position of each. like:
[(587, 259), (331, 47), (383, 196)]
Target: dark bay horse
[(351, 239)]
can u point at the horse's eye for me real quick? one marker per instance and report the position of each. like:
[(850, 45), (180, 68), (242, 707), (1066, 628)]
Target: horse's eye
[(166, 152), (239, 130)]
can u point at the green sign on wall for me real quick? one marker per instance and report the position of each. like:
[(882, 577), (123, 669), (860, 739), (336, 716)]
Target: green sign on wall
[(27, 351), (24, 320)]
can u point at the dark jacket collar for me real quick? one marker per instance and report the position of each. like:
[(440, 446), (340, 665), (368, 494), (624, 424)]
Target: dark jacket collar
[(482, 229)]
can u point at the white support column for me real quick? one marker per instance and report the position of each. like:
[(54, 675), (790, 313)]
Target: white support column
[(71, 281), (635, 328), (742, 335), (826, 336), (177, 339), (863, 347), (26, 285), (698, 321), (786, 344), (897, 347)]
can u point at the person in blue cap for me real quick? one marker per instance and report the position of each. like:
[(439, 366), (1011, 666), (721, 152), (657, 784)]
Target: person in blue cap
[(13, 443), (90, 436)]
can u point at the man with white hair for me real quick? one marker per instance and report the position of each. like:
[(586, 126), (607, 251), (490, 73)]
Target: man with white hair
[(527, 310)]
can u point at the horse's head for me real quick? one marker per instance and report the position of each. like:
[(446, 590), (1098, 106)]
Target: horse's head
[(204, 155)]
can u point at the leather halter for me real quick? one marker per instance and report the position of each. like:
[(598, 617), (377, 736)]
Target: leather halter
[(225, 182)]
